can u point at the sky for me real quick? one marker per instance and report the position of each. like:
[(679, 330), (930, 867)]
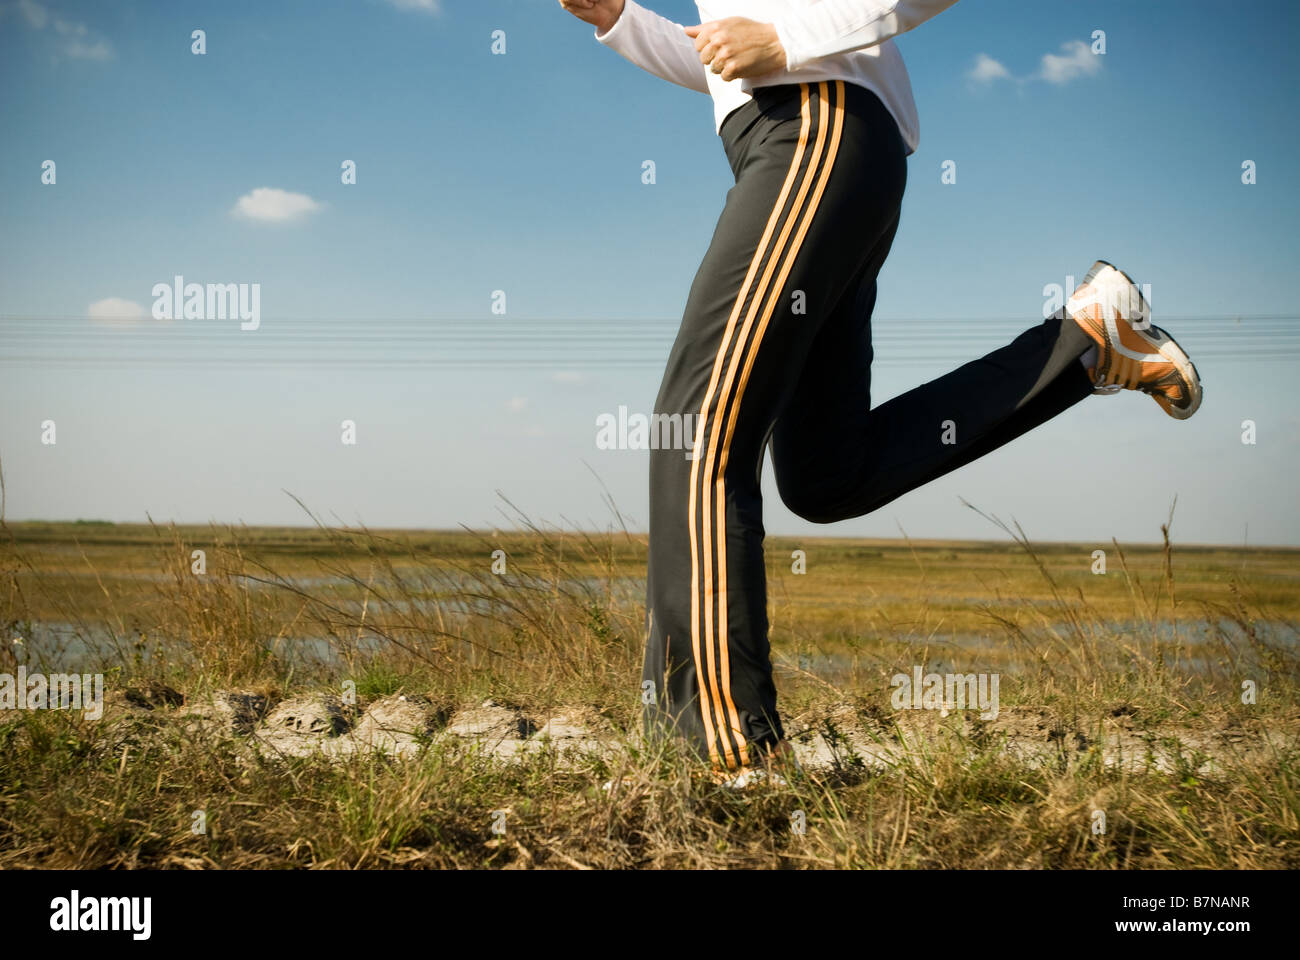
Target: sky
[(499, 275)]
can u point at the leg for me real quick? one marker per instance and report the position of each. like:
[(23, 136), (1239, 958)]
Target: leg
[(837, 458), (819, 177)]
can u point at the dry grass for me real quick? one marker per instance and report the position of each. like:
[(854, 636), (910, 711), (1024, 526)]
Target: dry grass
[(426, 614)]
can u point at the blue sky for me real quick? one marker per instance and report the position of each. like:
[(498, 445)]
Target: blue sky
[(521, 173)]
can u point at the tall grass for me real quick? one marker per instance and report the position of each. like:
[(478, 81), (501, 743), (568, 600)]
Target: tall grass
[(561, 626)]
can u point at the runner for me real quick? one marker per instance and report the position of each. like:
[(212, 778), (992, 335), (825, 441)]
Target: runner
[(815, 112)]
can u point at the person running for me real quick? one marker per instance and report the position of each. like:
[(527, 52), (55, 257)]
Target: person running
[(814, 108)]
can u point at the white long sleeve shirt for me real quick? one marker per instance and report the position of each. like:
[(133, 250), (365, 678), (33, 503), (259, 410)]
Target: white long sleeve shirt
[(848, 40)]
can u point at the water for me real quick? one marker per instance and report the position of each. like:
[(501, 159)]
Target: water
[(1209, 644), (66, 646)]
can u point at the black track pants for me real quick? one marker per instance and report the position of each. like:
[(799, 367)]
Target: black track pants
[(775, 345)]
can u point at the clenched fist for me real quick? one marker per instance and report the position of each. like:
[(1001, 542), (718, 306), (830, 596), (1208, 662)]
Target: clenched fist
[(601, 14), (738, 47)]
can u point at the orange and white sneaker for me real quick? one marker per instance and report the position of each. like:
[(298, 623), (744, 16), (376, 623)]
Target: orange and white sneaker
[(1131, 353)]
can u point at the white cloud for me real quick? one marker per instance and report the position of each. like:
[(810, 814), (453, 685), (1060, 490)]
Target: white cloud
[(420, 6), (35, 14), (76, 41), (115, 308), (79, 50), (569, 376), (1078, 61), (1075, 60), (986, 70), (518, 403), (272, 205)]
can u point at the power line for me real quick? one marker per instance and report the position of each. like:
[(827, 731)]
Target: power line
[(513, 342)]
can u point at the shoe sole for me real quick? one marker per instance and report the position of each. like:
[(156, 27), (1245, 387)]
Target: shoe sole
[(1171, 351), (1168, 348)]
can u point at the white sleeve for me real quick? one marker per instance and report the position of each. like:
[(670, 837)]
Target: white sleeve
[(838, 26), (657, 45)]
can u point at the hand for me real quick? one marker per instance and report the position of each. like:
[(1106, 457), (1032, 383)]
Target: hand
[(737, 47), (601, 14)]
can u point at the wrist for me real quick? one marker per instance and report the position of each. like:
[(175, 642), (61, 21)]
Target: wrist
[(789, 54), (776, 49), (608, 24)]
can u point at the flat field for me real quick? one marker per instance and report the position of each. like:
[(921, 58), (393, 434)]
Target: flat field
[(321, 696)]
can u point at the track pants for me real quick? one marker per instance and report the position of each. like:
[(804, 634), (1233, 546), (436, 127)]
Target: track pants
[(774, 352)]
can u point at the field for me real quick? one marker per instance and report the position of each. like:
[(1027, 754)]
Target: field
[(318, 696)]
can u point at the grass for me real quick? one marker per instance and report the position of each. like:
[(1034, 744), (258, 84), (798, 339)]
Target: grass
[(1159, 646)]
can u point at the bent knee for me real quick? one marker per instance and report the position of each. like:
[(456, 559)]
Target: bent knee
[(808, 503)]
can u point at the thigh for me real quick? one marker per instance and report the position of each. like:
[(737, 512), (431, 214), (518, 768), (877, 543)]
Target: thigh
[(816, 194), (772, 155), (833, 388)]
